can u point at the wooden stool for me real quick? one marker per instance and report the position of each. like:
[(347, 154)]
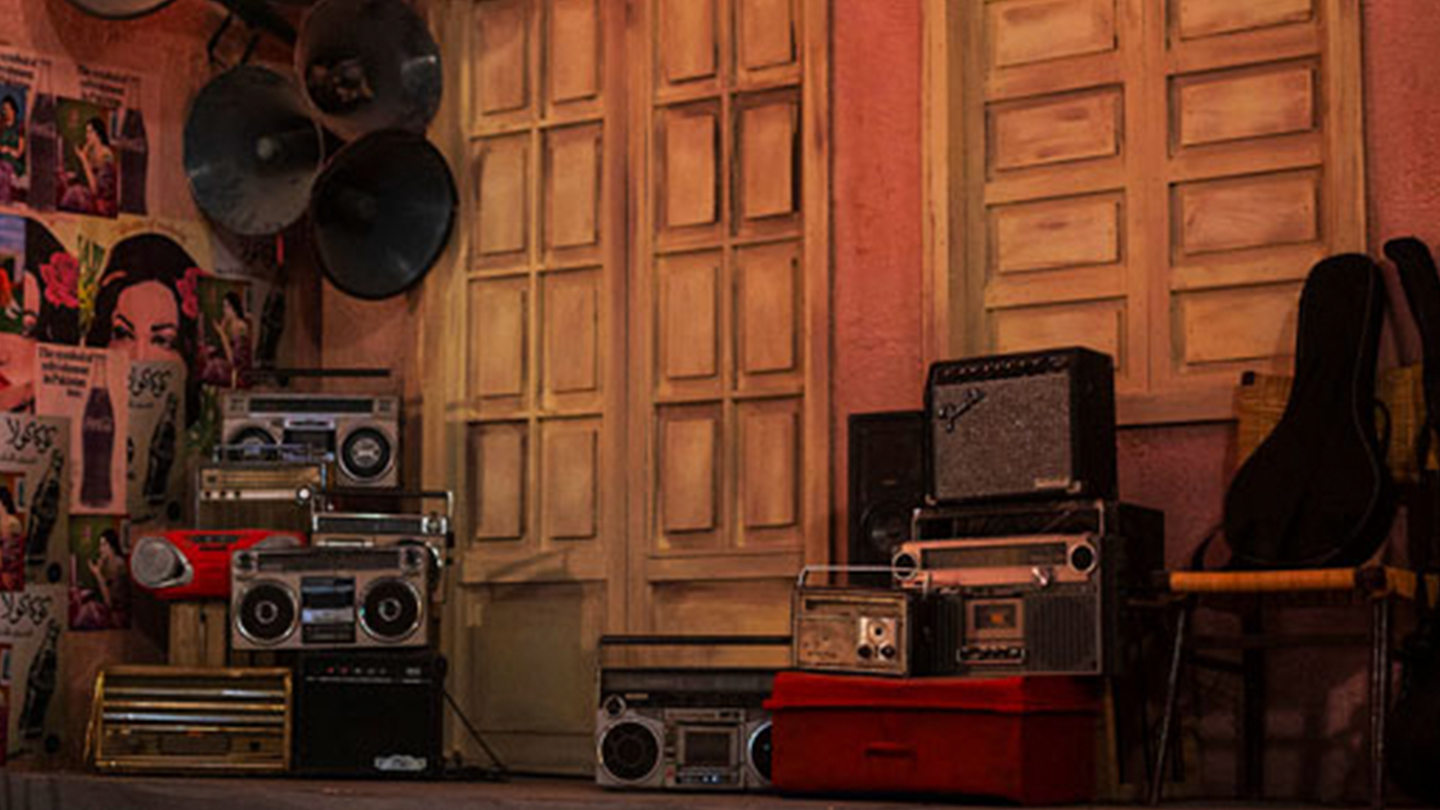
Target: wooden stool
[(1376, 586)]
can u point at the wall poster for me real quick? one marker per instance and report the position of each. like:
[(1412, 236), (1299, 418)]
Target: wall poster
[(31, 622), (90, 387)]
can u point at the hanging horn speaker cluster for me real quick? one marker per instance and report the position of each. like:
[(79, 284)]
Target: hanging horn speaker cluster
[(368, 65), (382, 211), (119, 9), (251, 151)]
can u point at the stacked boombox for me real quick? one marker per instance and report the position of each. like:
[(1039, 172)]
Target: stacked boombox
[(986, 543), (995, 514), (321, 565)]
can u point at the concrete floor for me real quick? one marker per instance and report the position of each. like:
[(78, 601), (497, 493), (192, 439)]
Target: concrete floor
[(83, 791)]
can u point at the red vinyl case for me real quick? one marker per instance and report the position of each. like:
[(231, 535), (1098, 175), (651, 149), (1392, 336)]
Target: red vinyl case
[(196, 564), (1028, 740)]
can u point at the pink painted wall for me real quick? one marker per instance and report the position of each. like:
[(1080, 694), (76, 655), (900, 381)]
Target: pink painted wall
[(1315, 716)]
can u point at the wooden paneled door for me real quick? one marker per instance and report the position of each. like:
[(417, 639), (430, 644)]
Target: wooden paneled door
[(626, 359), (1150, 178), (729, 303)]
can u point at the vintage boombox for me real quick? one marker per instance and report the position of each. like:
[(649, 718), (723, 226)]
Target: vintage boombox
[(253, 489), (196, 564), (858, 630), (360, 434), (684, 728), (332, 527), (328, 598), (1025, 604), (158, 719)]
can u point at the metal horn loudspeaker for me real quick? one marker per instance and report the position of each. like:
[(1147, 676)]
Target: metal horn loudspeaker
[(368, 65), (119, 9), (251, 151), (382, 212)]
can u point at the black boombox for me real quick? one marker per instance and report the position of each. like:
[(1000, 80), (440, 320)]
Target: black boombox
[(994, 600), (684, 727)]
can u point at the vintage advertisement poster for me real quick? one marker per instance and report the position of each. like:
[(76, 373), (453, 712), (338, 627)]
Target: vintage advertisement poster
[(99, 572), (17, 374), (31, 622), (90, 387), (12, 533), (155, 475), (12, 268), (72, 137), (226, 342)]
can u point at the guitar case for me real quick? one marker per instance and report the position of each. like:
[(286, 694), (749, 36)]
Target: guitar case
[(1413, 730), (1317, 492)]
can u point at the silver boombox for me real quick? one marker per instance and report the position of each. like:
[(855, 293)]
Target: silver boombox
[(332, 527), (329, 598), (244, 488), (359, 434), (684, 728)]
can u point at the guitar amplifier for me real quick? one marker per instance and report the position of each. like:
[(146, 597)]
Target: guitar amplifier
[(1038, 424), (156, 719), (370, 714)]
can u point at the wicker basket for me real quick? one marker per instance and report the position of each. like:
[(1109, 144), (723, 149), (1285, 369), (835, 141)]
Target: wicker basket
[(1260, 401)]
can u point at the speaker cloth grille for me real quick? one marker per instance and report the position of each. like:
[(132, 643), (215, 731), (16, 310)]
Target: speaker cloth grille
[(1002, 437)]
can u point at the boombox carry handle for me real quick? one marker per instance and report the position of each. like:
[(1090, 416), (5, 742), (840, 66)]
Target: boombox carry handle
[(840, 569), (395, 494)]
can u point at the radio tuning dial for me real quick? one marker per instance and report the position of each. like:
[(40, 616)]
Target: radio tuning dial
[(1043, 576)]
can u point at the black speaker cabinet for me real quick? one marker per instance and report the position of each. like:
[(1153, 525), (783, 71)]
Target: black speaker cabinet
[(363, 714), (1032, 425), (886, 485)]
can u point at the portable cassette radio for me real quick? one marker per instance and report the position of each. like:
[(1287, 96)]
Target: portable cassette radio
[(328, 598), (685, 728), (378, 528), (275, 493), (859, 630), (359, 434), (196, 564)]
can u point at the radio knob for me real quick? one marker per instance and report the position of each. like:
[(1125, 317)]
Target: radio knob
[(865, 651), (887, 652), (1043, 576)]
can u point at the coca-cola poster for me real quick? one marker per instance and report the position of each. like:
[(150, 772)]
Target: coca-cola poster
[(99, 572), (31, 622), (35, 459), (90, 387), (155, 474), (72, 136)]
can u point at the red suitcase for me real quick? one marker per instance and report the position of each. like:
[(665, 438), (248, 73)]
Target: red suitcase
[(1028, 740)]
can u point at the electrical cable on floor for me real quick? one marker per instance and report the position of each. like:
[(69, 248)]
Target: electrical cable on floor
[(497, 772)]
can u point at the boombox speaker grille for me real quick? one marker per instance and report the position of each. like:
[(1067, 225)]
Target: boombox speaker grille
[(629, 751), (1061, 631)]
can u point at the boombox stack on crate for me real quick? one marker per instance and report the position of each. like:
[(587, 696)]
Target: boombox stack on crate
[(304, 605), (978, 669)]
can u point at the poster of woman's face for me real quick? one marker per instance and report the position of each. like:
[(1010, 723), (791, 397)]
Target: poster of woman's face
[(89, 179), (99, 573), (14, 149), (227, 342), (12, 532)]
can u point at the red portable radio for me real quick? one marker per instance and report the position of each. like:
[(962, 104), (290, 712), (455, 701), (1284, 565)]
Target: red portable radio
[(196, 564)]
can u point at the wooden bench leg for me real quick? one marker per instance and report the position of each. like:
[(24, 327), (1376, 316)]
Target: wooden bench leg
[(1172, 700), (1379, 696)]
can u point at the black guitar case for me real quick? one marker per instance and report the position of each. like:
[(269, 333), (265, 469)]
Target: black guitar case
[(1317, 493), (1413, 730)]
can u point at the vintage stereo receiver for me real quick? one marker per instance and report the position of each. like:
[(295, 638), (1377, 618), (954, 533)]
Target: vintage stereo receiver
[(332, 527), (1038, 604), (258, 489), (327, 598), (370, 713), (858, 630), (1039, 424), (685, 728), (157, 719), (196, 564), (360, 434)]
